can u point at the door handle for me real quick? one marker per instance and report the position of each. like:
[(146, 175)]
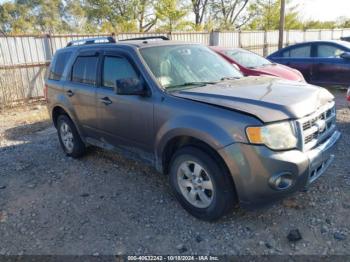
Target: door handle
[(106, 101), (70, 93)]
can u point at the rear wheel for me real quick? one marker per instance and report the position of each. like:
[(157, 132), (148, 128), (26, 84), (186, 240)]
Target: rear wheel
[(200, 184), (69, 137)]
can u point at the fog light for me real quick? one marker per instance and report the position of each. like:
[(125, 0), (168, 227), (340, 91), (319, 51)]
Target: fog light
[(281, 181)]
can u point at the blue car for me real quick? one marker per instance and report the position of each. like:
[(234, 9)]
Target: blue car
[(321, 62)]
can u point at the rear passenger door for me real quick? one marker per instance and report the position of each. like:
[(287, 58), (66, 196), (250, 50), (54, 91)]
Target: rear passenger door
[(81, 91), (125, 120)]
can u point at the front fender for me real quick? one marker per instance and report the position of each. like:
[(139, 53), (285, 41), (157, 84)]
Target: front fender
[(192, 126)]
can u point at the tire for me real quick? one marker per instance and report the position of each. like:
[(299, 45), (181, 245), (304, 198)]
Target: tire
[(69, 137), (207, 198)]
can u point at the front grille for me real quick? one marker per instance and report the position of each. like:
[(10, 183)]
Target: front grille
[(317, 127)]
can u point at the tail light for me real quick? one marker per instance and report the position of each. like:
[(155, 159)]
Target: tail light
[(348, 94), (45, 92)]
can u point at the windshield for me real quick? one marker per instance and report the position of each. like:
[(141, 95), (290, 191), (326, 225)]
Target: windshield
[(247, 59), (184, 65)]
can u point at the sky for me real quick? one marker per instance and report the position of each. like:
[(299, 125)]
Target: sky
[(324, 10)]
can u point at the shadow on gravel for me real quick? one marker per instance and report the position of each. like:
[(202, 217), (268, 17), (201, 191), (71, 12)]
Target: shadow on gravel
[(18, 132)]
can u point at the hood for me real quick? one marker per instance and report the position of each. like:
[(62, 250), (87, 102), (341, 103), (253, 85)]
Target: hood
[(267, 98), (281, 71)]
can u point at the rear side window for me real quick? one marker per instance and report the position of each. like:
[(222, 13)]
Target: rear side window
[(58, 65), (115, 68), (84, 70), (298, 52)]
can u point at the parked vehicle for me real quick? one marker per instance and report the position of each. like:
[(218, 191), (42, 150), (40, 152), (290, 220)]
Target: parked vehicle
[(345, 38), (321, 62), (222, 138), (251, 64)]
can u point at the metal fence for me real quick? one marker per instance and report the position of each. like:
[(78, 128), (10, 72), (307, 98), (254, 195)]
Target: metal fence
[(24, 58)]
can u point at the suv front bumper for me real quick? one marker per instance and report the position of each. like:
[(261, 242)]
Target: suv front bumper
[(253, 166)]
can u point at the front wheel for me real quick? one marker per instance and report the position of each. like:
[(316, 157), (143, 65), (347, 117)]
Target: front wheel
[(200, 184)]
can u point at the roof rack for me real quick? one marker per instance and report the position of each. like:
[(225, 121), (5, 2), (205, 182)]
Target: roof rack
[(147, 38), (89, 41)]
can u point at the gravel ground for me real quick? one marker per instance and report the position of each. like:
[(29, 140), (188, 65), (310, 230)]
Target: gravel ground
[(106, 204)]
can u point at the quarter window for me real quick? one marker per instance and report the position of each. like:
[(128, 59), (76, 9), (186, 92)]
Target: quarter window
[(84, 70), (115, 68), (328, 51), (298, 52), (58, 65)]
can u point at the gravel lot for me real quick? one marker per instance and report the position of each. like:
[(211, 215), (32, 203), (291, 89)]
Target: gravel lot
[(106, 204)]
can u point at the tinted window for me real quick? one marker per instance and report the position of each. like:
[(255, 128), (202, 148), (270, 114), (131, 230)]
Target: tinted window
[(84, 70), (324, 50), (58, 65), (298, 52), (115, 68)]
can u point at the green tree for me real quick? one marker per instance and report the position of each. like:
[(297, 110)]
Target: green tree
[(47, 16), (268, 15), (144, 14), (227, 13), (199, 9), (111, 15), (312, 24), (75, 16), (171, 14)]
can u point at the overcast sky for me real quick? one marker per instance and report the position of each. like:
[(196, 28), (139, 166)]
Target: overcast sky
[(324, 10)]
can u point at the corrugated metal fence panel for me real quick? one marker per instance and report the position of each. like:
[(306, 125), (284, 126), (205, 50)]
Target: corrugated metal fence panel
[(228, 39), (311, 35), (60, 41), (346, 32), (337, 34), (19, 84), (272, 41), (122, 36), (194, 37), (21, 50), (253, 41), (326, 34), (295, 36)]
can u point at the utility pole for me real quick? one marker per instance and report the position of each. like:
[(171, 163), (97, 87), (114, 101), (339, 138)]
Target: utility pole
[(281, 27)]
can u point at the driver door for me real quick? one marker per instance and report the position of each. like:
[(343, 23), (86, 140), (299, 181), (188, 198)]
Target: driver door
[(331, 68), (125, 120)]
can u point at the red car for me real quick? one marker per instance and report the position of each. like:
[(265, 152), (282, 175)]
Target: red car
[(251, 64)]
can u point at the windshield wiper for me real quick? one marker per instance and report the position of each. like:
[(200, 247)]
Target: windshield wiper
[(230, 78), (191, 84)]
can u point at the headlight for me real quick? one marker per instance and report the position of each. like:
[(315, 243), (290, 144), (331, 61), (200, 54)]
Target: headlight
[(278, 136)]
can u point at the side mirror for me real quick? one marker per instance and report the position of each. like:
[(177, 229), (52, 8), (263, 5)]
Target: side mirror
[(345, 55), (131, 86)]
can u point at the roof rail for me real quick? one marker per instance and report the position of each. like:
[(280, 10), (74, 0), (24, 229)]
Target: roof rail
[(89, 41), (147, 38)]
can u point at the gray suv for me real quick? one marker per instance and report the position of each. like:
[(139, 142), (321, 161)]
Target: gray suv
[(222, 138)]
